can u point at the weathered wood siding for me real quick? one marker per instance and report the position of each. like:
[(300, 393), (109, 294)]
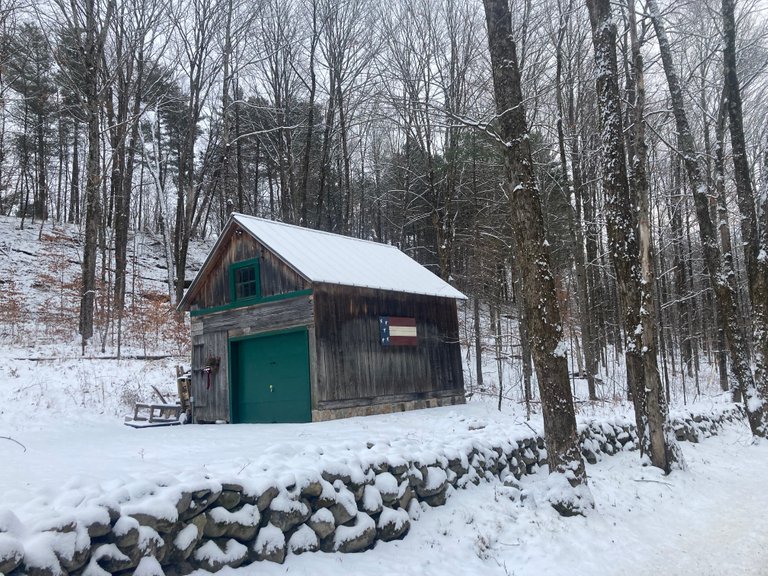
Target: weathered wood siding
[(353, 368), (210, 337), (211, 402), (275, 276)]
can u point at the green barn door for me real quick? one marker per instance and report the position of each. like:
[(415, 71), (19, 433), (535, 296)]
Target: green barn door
[(271, 378)]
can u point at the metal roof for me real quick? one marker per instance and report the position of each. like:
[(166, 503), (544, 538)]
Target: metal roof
[(334, 259)]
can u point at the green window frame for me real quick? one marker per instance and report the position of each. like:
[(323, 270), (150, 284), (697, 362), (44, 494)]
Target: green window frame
[(245, 280)]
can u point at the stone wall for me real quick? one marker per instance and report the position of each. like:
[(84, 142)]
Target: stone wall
[(177, 528)]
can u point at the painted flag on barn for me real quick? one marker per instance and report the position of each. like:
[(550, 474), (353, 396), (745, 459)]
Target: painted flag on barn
[(397, 331)]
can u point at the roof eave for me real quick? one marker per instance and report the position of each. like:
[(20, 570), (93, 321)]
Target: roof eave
[(183, 305)]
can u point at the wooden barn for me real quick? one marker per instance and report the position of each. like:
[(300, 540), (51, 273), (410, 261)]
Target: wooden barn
[(296, 325)]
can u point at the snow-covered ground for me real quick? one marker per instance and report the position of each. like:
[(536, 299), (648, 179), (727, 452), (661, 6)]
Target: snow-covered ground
[(706, 521), (63, 440)]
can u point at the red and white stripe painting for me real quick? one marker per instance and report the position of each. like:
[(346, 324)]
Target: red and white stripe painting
[(398, 331)]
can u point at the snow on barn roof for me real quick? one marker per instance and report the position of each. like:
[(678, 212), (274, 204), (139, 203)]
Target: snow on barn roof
[(334, 259)]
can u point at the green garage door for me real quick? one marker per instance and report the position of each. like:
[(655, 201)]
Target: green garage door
[(271, 378)]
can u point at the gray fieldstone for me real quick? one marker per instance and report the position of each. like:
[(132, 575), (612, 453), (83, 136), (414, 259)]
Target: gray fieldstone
[(312, 489), (345, 508), (229, 499), (99, 527), (148, 519), (265, 498), (201, 501), (152, 544), (184, 543), (241, 525), (405, 495), (371, 501), (214, 555), (356, 538), (327, 496), (109, 557), (340, 474), (435, 482), (285, 513), (387, 486), (183, 502), (303, 540), (270, 545), (392, 524), (11, 553), (322, 522), (149, 566), (126, 533)]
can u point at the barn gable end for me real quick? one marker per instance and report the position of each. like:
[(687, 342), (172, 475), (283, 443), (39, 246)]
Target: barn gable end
[(212, 288)]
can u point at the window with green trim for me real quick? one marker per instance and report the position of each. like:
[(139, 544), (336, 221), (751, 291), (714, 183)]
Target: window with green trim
[(245, 280)]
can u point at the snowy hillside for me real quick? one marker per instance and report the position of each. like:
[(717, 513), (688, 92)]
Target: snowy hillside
[(63, 444)]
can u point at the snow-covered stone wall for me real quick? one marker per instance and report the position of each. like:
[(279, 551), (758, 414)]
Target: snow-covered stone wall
[(179, 527)]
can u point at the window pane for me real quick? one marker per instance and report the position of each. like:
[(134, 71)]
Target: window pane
[(245, 282)]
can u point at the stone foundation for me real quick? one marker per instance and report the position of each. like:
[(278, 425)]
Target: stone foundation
[(386, 407)]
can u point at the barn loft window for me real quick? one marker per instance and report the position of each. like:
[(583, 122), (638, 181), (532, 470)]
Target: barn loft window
[(245, 280)]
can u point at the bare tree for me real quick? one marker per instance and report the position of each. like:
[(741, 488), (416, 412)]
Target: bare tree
[(89, 22), (755, 243), (532, 257), (634, 283), (719, 265), (195, 24)]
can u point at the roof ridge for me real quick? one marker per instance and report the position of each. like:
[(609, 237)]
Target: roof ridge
[(314, 230)]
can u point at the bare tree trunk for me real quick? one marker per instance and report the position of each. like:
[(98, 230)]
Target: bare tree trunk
[(576, 236), (478, 342), (154, 167), (664, 449), (622, 230), (725, 234), (74, 185), (90, 30), (312, 87), (532, 256), (719, 265), (755, 246)]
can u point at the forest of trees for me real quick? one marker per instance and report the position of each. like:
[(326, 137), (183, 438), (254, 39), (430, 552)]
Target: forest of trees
[(641, 136)]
